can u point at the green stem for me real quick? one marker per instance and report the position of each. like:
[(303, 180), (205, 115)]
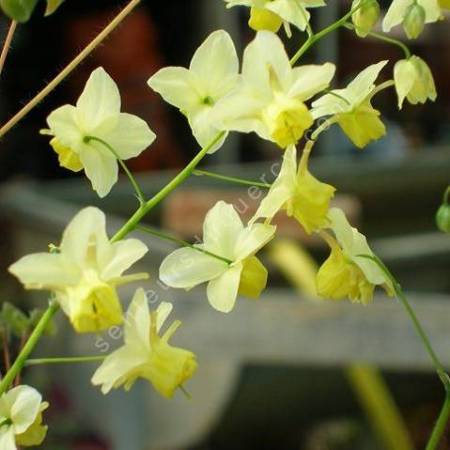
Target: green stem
[(70, 67), (134, 220), (384, 38), (441, 424), (29, 346), (416, 323), (382, 87), (317, 36), (180, 242), (65, 360), (231, 179), (140, 194), (446, 199), (423, 336)]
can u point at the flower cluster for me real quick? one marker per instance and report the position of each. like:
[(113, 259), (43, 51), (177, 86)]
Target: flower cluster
[(267, 95)]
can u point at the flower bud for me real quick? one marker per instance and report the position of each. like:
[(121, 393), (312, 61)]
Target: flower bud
[(443, 218), (18, 10), (52, 6), (365, 17), (414, 81), (414, 21), (263, 19)]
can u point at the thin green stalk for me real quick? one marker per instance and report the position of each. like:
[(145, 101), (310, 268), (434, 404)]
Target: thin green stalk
[(65, 360), (134, 220), (140, 194), (382, 87), (443, 419), (446, 196), (441, 424), (70, 67), (180, 242), (231, 179), (317, 36), (29, 346), (384, 38), (439, 367)]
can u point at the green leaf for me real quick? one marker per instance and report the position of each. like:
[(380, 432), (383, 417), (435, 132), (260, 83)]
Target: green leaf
[(19, 10), (13, 319), (52, 6)]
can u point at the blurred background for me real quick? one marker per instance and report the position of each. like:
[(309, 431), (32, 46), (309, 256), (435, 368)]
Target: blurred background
[(285, 373)]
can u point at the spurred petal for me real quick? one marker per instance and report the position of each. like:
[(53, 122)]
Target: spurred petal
[(187, 267), (222, 291)]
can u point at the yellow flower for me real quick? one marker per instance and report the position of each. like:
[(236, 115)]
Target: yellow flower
[(298, 193), (21, 418), (270, 99), (351, 107), (271, 14), (97, 114), (145, 354), (347, 273), (234, 270), (213, 73), (412, 14), (85, 273), (414, 81)]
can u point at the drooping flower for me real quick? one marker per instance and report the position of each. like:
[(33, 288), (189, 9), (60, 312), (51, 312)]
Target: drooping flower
[(352, 109), (212, 74), (270, 100), (366, 15), (21, 418), (414, 81), (413, 14), (269, 15), (299, 193), (97, 114), (234, 269), (348, 272), (145, 354), (85, 272)]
